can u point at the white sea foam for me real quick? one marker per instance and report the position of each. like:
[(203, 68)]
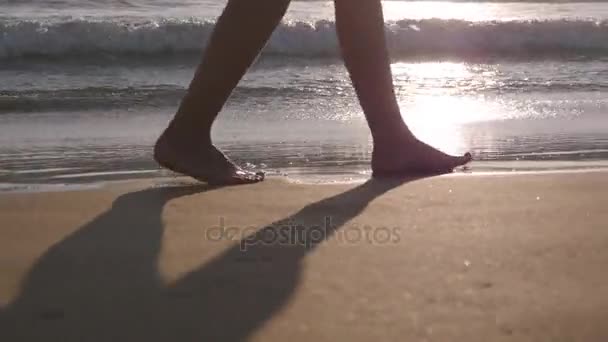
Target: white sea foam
[(302, 39)]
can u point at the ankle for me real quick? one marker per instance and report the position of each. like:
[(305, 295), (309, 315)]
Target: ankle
[(192, 121), (389, 137), (179, 135)]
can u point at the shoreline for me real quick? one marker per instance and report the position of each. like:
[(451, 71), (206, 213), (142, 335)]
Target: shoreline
[(9, 188)]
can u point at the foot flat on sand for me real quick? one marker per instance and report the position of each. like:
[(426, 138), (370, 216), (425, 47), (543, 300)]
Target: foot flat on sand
[(206, 164)]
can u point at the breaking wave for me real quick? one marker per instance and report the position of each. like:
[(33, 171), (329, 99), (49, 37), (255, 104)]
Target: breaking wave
[(430, 37)]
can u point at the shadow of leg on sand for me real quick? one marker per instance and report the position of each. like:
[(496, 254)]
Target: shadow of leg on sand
[(102, 282)]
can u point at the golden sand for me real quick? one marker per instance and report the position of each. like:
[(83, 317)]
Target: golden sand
[(467, 258)]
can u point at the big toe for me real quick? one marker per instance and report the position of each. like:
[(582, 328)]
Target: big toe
[(461, 160), (238, 177)]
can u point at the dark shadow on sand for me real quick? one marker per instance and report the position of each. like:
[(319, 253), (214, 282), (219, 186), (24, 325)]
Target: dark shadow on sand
[(102, 282)]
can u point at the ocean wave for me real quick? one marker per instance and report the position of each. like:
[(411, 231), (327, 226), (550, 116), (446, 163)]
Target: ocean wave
[(87, 98), (430, 37), (162, 96), (41, 100)]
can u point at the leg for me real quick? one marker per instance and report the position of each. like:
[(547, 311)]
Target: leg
[(360, 26), (240, 34)]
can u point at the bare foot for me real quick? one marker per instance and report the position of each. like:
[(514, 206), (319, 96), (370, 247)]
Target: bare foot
[(203, 162), (407, 156)]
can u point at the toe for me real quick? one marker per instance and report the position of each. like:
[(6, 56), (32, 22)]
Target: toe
[(462, 160), (246, 177)]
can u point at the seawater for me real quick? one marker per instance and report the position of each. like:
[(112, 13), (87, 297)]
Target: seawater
[(88, 85)]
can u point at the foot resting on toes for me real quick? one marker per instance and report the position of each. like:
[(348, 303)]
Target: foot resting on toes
[(407, 155)]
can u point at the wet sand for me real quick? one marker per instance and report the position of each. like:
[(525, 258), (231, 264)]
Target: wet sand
[(456, 258)]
